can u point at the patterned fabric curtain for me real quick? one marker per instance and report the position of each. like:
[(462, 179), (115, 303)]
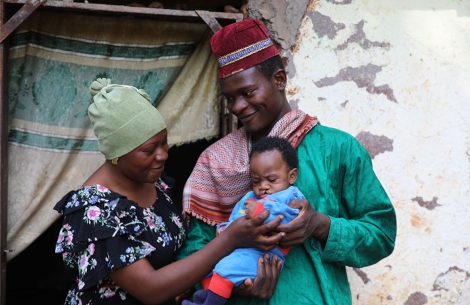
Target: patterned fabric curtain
[(54, 57)]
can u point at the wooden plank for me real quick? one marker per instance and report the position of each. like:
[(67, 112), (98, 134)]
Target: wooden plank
[(120, 9), (223, 118), (228, 121), (210, 20), (3, 163), (29, 7)]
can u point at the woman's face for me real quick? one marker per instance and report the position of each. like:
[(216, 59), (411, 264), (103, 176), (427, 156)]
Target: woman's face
[(146, 162), (256, 101)]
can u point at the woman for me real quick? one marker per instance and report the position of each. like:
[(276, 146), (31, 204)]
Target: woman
[(120, 231)]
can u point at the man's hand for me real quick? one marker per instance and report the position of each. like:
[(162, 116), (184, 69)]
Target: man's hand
[(309, 223), (265, 282), (187, 295), (253, 232)]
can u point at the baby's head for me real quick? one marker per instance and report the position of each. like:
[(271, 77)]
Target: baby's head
[(273, 166)]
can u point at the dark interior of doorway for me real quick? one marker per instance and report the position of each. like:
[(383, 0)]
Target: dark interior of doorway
[(37, 274)]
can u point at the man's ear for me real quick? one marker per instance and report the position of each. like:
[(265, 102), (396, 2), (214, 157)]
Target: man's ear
[(293, 175), (280, 79)]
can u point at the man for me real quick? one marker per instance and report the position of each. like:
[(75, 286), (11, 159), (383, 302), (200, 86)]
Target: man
[(347, 219)]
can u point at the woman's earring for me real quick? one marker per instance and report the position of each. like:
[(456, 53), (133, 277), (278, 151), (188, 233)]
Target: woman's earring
[(115, 161)]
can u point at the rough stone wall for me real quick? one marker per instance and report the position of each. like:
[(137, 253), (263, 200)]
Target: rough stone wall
[(282, 18), (395, 74)]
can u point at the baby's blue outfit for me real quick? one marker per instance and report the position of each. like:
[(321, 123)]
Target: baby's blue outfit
[(243, 262)]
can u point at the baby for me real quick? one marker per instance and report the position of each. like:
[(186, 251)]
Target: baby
[(273, 170)]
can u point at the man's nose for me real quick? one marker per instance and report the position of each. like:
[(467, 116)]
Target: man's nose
[(238, 105)]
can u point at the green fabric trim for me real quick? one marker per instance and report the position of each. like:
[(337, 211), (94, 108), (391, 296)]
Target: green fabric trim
[(50, 142), (104, 49)]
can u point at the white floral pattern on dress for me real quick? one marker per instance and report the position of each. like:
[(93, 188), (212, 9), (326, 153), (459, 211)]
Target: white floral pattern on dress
[(103, 230)]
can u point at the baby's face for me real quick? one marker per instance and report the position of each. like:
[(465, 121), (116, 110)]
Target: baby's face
[(270, 173)]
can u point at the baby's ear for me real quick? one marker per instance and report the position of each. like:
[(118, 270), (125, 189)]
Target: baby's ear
[(293, 175)]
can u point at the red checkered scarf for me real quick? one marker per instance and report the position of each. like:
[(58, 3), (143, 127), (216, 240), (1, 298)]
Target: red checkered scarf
[(221, 175)]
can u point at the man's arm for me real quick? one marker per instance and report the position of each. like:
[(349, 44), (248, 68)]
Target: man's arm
[(365, 231), (349, 217)]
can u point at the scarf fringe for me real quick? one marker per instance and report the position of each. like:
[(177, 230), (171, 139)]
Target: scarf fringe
[(188, 213)]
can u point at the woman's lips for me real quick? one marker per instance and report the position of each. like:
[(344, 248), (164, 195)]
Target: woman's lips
[(159, 168)]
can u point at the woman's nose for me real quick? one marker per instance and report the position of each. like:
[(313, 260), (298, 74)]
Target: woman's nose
[(161, 155)]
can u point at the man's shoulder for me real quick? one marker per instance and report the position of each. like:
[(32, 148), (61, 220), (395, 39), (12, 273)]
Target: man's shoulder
[(329, 137), (234, 140), (329, 132)]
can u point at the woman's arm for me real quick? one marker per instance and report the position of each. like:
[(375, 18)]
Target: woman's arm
[(152, 286)]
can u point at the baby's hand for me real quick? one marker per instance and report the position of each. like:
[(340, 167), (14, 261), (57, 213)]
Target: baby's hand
[(220, 230), (250, 207)]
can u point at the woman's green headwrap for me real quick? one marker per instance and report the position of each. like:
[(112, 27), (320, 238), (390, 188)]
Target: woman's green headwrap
[(122, 117)]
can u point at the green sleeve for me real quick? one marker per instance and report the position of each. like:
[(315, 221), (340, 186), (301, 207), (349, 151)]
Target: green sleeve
[(199, 234), (339, 181), (366, 231)]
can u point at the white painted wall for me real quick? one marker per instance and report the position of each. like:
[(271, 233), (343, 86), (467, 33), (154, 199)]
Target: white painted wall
[(427, 65)]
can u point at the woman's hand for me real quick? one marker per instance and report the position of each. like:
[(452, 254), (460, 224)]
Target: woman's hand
[(309, 223), (253, 233), (265, 282), (152, 286)]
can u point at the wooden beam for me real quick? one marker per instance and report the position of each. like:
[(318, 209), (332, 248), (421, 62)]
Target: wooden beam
[(3, 162), (29, 7), (120, 9), (228, 121), (209, 19)]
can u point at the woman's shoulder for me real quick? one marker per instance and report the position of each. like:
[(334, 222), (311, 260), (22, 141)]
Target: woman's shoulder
[(94, 213), (85, 196)]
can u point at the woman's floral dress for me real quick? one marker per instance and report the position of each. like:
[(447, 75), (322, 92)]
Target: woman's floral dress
[(103, 230)]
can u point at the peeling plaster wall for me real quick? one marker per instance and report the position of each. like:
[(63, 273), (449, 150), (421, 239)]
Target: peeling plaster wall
[(396, 75), (282, 18)]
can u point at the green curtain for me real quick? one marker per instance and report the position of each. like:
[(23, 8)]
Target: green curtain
[(53, 59)]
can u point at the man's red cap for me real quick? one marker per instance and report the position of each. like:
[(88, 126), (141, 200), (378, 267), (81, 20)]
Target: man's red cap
[(241, 45)]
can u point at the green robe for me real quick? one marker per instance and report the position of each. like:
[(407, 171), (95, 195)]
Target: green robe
[(336, 176)]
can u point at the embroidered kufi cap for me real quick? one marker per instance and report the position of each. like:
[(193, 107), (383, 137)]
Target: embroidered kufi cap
[(123, 117), (241, 45)]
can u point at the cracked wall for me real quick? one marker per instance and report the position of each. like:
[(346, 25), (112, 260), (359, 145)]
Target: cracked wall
[(394, 74)]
